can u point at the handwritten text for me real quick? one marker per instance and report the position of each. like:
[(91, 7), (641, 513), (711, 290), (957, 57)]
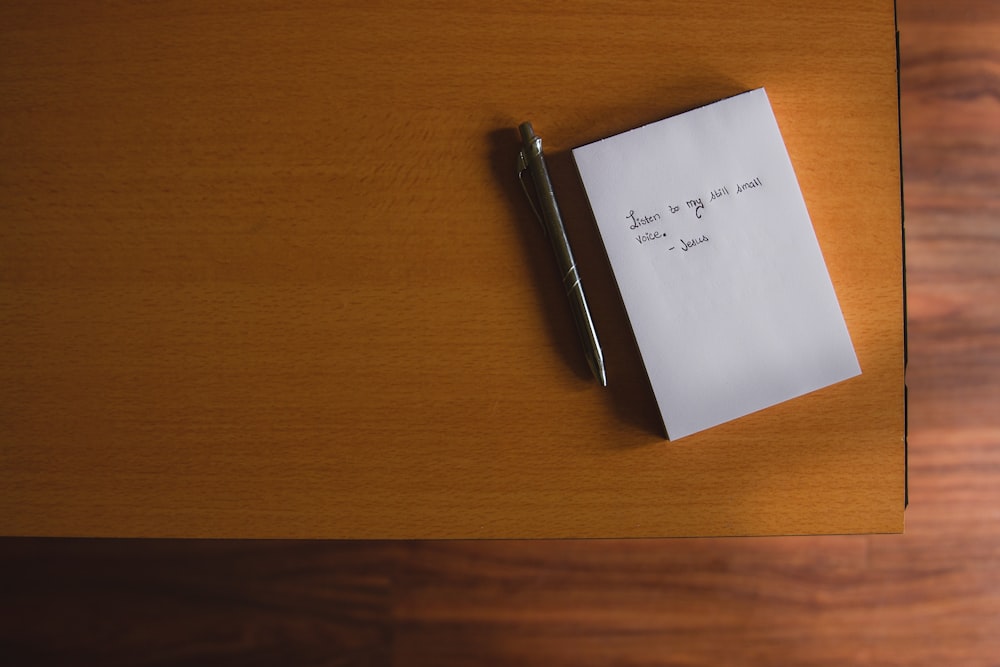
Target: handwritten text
[(644, 220), (698, 206)]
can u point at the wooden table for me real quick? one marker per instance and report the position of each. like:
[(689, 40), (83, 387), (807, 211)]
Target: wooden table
[(265, 271)]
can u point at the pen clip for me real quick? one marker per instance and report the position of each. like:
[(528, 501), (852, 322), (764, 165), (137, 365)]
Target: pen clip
[(522, 167)]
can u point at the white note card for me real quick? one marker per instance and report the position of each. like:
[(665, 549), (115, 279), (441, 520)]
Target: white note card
[(717, 263)]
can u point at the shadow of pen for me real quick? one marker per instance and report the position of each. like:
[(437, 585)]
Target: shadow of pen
[(505, 145), (628, 385)]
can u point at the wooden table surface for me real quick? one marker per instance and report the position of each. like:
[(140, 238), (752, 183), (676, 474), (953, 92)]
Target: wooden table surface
[(929, 597), (265, 271)]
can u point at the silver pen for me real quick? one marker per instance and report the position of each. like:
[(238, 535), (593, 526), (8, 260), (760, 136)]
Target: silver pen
[(532, 161)]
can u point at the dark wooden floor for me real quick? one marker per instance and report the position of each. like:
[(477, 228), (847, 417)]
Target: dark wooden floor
[(930, 597)]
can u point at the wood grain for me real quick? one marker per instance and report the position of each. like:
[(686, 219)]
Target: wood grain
[(265, 271), (929, 597)]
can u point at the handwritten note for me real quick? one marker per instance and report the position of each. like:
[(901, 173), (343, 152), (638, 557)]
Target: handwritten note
[(717, 263)]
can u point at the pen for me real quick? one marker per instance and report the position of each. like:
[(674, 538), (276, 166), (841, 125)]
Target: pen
[(532, 161)]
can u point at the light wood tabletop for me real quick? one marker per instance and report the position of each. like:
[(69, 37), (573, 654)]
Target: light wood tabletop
[(266, 271)]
